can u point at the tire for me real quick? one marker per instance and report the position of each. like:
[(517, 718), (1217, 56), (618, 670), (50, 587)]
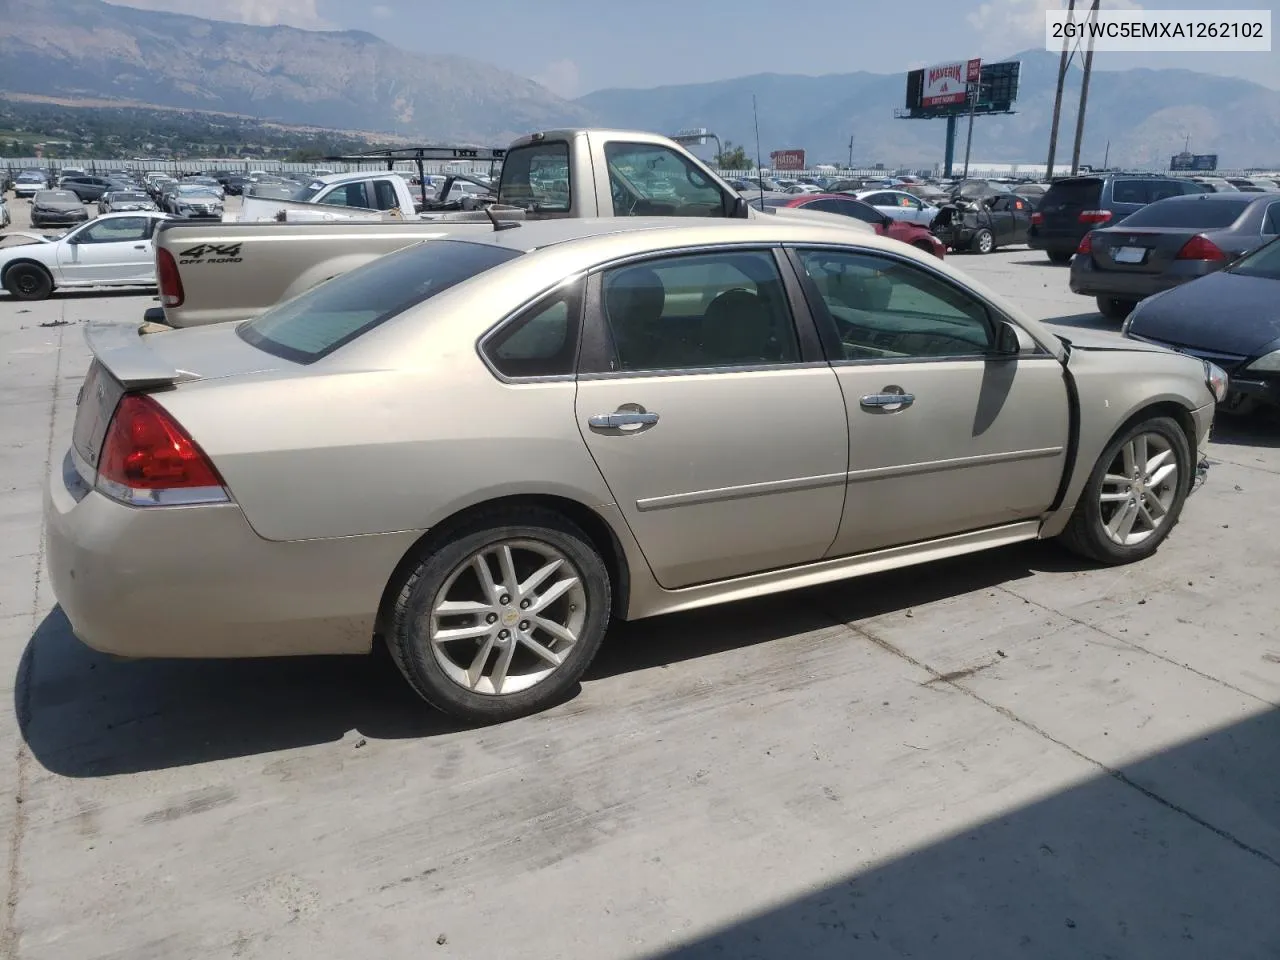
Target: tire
[(26, 281), (1087, 531), (984, 241), (1114, 308), (1060, 258), (439, 672)]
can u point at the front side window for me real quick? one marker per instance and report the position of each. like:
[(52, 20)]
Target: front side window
[(648, 179), (883, 309), (115, 230), (347, 195), (705, 310), (334, 313), (1263, 262), (1271, 222), (536, 177)]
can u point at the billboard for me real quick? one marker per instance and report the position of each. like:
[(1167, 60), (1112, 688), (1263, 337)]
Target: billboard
[(947, 83), (787, 159), (997, 89), (1193, 161)]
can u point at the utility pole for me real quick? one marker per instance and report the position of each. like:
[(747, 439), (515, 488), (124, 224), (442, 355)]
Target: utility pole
[(974, 91), (1084, 91), (1057, 97), (850, 151)]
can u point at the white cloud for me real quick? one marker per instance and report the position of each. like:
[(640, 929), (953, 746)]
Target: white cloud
[(295, 13), (381, 11), (1010, 26), (561, 77)]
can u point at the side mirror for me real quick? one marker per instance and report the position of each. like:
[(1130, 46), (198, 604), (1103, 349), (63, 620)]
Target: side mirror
[(1013, 341), (738, 207), (887, 222)]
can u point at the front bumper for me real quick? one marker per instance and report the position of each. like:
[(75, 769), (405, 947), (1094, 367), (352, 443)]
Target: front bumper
[(54, 216), (198, 581)]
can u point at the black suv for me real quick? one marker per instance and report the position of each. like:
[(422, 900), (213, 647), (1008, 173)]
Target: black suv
[(1073, 206)]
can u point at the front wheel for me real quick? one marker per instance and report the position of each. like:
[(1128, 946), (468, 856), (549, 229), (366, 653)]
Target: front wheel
[(984, 241), (26, 281), (504, 618), (1115, 308), (1134, 496)]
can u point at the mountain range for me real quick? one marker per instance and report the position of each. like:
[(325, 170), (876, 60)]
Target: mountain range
[(351, 80)]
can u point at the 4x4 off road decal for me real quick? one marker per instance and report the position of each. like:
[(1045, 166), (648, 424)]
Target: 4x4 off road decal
[(210, 253)]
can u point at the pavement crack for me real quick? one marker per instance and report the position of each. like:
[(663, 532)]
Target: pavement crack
[(1118, 775), (1134, 645), (9, 933)]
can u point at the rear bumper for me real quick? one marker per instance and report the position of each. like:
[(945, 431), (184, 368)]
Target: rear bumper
[(199, 582), (956, 238), (1061, 244), (1089, 281)]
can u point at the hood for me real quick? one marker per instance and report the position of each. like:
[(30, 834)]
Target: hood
[(1105, 341), (60, 205), (1221, 313)]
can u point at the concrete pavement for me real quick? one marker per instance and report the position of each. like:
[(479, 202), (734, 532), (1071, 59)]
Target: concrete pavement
[(1008, 755)]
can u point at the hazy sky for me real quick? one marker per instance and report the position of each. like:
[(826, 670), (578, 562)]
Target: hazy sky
[(575, 46)]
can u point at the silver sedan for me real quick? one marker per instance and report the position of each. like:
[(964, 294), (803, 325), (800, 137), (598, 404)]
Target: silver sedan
[(482, 451), (900, 205)]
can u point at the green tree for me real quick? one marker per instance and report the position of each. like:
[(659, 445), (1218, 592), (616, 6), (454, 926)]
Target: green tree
[(732, 157)]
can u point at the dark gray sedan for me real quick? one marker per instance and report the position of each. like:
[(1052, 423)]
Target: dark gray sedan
[(51, 208), (1169, 242), (1231, 318)]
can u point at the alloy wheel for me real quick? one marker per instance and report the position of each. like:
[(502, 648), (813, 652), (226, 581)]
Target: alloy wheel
[(506, 618), (1139, 489)]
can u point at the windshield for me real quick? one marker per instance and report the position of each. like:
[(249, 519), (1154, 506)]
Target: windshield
[(536, 177), (57, 196), (128, 197), (1202, 212), (30, 176), (334, 313), (195, 190), (1263, 262)]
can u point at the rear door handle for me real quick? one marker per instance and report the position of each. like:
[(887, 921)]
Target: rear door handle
[(875, 400), (626, 418)]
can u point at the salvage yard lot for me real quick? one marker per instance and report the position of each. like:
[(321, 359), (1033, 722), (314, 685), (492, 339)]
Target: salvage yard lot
[(1007, 755)]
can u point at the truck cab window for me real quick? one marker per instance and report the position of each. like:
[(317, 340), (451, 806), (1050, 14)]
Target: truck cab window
[(650, 180), (384, 195), (347, 195), (536, 177)]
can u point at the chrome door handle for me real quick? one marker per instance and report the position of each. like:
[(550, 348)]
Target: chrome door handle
[(888, 400), (611, 421)]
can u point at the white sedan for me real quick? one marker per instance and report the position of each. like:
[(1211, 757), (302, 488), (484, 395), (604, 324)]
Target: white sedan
[(900, 205), (116, 249)]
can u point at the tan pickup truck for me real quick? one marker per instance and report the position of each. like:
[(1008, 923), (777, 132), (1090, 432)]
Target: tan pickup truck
[(215, 272)]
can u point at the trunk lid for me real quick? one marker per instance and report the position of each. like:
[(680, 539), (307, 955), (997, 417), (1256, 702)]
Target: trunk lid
[(125, 360), (1122, 250)]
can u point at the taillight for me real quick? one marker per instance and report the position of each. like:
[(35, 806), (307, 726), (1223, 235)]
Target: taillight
[(1200, 247), (1037, 219), (1094, 216), (168, 279), (1086, 245), (148, 459)]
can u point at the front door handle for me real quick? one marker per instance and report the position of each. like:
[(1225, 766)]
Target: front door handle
[(140, 246), (623, 418), (880, 401)]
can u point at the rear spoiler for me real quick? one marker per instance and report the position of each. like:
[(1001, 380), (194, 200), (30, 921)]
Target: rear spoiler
[(119, 347)]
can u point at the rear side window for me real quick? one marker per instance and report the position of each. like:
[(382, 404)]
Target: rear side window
[(1082, 194), (543, 341), (1130, 191), (536, 177), (1204, 213), (326, 317)]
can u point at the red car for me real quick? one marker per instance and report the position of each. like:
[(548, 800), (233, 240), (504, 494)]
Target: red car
[(912, 233)]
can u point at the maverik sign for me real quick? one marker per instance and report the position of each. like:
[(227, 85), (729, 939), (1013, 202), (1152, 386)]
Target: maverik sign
[(947, 83)]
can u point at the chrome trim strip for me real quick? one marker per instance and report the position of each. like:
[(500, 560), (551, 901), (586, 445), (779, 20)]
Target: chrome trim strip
[(742, 492), (935, 466), (177, 497)]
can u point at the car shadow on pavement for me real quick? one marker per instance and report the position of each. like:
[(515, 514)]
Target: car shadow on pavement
[(644, 644), (86, 714), (95, 293), (1260, 429), (1039, 261), (1176, 856)]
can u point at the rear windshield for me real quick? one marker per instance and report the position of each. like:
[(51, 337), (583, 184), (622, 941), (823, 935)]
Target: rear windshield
[(1203, 212), (1264, 263), (326, 317), (536, 177), (1083, 193)]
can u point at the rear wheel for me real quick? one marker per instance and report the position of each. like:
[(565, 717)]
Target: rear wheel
[(984, 241), (1134, 496), (1115, 308), (504, 618), (26, 281), (1056, 256)]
